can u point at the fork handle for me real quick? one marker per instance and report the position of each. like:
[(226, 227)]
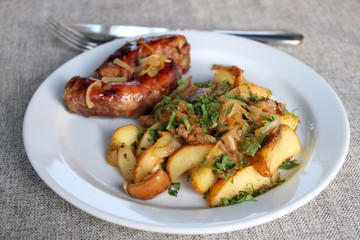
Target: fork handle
[(291, 38)]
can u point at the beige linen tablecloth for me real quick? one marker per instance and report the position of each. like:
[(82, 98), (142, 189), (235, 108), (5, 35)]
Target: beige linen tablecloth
[(29, 209)]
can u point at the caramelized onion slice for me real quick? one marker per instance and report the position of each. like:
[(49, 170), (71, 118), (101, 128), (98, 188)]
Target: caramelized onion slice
[(152, 64), (113, 79), (89, 103), (268, 127), (123, 64)]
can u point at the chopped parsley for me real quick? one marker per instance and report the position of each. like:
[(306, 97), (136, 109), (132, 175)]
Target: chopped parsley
[(250, 145), (252, 98), (190, 108), (269, 120), (245, 196), (292, 113), (229, 109), (171, 120), (187, 124), (206, 193), (288, 164), (179, 81), (154, 133), (163, 166), (255, 98), (134, 144), (207, 108), (207, 84), (222, 165), (174, 189)]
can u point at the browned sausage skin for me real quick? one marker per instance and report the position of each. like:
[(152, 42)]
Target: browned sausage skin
[(138, 94), (119, 99), (174, 47)]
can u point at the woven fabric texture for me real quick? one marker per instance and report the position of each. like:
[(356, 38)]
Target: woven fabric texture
[(29, 209)]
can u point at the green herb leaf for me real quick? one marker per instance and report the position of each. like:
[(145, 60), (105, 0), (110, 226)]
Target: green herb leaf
[(171, 120), (190, 108), (268, 120), (292, 113), (139, 134), (206, 193), (228, 110), (188, 176), (187, 124), (250, 146), (288, 164), (207, 84), (224, 163), (179, 81), (154, 133), (174, 189), (134, 144), (163, 166)]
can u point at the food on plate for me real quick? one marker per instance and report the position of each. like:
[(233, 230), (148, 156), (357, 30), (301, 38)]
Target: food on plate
[(186, 158), (129, 136), (242, 183), (174, 47), (151, 157), (126, 161), (131, 80), (204, 178), (227, 135), (279, 145), (155, 184)]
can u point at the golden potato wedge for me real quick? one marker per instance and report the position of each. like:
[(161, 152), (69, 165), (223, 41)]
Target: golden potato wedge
[(246, 179), (163, 147), (248, 89), (128, 134), (289, 120), (222, 76), (155, 184), (186, 158), (204, 178), (144, 141), (126, 161), (281, 144)]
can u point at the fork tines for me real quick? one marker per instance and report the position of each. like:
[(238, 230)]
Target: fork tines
[(69, 35)]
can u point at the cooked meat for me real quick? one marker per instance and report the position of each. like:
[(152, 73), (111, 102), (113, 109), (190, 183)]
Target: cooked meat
[(174, 47), (116, 99), (126, 91), (194, 135)]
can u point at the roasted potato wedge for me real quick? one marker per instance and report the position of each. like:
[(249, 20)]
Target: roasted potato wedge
[(204, 178), (222, 76), (128, 134), (246, 179), (281, 144), (146, 140), (186, 158), (248, 89), (163, 147), (290, 120), (126, 161)]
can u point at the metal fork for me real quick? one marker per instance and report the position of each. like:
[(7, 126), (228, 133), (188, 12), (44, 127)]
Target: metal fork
[(80, 41), (70, 36)]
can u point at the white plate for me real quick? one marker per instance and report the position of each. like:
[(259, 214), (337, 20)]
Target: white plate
[(68, 150)]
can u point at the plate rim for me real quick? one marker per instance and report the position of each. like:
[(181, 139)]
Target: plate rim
[(224, 227)]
